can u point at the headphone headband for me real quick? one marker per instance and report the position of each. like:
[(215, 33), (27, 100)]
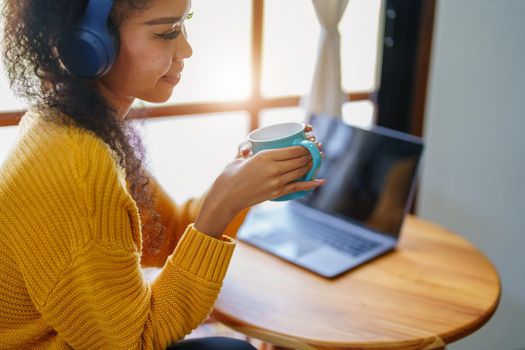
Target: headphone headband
[(97, 12)]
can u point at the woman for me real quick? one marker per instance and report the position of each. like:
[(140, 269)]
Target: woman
[(79, 214)]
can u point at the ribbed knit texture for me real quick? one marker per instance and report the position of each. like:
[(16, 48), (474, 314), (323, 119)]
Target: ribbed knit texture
[(70, 252)]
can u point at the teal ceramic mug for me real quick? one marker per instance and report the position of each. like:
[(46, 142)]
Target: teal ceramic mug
[(286, 135)]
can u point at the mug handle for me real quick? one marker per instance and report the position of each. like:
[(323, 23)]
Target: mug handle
[(316, 156)]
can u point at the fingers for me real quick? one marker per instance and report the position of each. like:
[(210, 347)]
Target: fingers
[(320, 146), (311, 137), (309, 132), (287, 159), (244, 149), (285, 153), (245, 152), (294, 174), (302, 186), (294, 165)]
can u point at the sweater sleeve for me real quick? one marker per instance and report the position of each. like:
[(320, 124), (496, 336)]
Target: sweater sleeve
[(175, 218), (94, 295), (102, 301)]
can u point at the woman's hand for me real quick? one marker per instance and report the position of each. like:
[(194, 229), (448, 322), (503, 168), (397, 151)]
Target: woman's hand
[(252, 179), (248, 181)]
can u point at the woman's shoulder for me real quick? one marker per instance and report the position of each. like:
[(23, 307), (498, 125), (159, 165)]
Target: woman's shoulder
[(58, 136), (54, 129), (57, 149)]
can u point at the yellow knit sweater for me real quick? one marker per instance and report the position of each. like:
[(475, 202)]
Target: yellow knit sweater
[(70, 251)]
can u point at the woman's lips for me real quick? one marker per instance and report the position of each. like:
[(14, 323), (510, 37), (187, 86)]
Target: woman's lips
[(172, 79)]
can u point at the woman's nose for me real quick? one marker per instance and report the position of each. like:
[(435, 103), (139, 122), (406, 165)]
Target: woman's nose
[(183, 48)]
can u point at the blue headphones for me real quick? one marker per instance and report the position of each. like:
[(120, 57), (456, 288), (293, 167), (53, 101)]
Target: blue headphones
[(89, 49)]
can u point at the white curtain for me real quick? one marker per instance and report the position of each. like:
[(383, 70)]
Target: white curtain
[(325, 95)]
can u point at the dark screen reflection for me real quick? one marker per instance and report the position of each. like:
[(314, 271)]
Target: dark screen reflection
[(369, 173)]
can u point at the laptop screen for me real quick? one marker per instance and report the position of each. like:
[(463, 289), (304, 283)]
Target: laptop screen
[(370, 174)]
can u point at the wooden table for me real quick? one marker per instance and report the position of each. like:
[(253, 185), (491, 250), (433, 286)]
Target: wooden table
[(434, 289)]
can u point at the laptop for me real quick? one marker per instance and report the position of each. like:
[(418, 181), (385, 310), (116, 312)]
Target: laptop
[(357, 215)]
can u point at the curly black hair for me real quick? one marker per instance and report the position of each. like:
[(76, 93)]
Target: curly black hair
[(32, 30)]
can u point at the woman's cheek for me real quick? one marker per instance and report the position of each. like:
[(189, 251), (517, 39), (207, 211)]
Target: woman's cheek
[(157, 65)]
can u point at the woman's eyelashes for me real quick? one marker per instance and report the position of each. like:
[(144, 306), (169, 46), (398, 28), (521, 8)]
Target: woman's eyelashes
[(178, 27), (170, 35)]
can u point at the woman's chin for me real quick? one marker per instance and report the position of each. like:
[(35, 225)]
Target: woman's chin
[(157, 98)]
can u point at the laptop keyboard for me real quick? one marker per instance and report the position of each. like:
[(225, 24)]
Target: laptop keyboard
[(345, 241)]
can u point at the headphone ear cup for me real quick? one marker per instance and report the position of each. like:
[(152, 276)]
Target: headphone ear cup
[(89, 53), (89, 50)]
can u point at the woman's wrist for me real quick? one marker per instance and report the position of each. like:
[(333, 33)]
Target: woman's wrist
[(214, 216)]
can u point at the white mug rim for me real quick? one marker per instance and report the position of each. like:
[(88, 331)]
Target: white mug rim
[(249, 137)]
